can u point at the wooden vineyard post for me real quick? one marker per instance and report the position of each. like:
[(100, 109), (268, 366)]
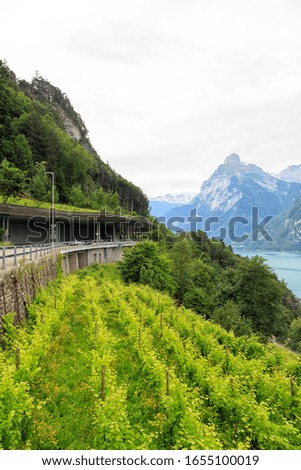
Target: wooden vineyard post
[(292, 387), (167, 381), (17, 358), (226, 367), (103, 383), (137, 306), (42, 318)]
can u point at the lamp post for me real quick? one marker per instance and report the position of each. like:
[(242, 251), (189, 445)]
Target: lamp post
[(52, 226)]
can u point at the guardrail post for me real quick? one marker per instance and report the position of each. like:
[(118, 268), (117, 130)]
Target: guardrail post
[(15, 256), (3, 258)]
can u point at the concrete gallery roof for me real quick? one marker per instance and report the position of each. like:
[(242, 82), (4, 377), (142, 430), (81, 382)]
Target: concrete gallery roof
[(25, 213)]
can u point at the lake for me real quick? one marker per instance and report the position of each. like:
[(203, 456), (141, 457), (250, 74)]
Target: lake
[(287, 266)]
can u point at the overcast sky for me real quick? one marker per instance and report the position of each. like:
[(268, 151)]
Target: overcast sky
[(169, 88)]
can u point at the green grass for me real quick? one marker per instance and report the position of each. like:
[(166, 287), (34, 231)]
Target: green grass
[(43, 205), (26, 202)]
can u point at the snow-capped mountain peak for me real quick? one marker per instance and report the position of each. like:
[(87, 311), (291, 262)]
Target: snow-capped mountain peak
[(175, 198), (234, 166), (291, 174), (233, 190), (232, 159)]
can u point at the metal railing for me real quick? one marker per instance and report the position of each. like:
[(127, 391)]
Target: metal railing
[(36, 251)]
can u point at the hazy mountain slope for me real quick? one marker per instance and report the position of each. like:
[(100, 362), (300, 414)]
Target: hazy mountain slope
[(285, 230)]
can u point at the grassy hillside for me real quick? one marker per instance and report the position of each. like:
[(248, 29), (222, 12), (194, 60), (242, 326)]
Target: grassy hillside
[(105, 365)]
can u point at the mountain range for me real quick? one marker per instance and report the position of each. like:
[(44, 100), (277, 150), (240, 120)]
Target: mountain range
[(243, 204), (291, 174), (161, 204)]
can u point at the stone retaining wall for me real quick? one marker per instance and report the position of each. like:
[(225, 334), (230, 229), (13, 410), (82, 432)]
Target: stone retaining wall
[(19, 286)]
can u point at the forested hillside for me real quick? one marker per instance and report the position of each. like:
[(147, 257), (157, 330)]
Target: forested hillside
[(39, 132), (103, 365), (243, 295)]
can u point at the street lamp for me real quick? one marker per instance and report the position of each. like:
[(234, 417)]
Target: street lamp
[(52, 226)]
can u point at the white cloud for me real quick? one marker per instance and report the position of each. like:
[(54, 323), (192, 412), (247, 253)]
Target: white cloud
[(168, 88)]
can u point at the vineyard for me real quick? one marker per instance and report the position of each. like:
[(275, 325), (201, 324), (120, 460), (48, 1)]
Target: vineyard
[(104, 365)]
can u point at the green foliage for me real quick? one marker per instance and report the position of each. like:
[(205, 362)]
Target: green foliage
[(12, 180), (230, 318), (171, 379), (198, 299), (143, 263), (8, 332), (21, 153), (182, 257), (294, 341), (259, 295), (32, 131), (40, 184), (241, 294), (77, 197)]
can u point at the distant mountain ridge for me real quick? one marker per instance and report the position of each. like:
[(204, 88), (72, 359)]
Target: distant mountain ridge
[(175, 198), (232, 191), (161, 204), (291, 174)]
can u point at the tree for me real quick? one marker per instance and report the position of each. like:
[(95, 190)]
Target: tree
[(12, 180), (199, 295), (112, 201), (182, 255), (229, 317), (76, 196), (259, 296), (294, 341), (197, 299), (40, 183), (144, 264), (22, 153), (33, 121)]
